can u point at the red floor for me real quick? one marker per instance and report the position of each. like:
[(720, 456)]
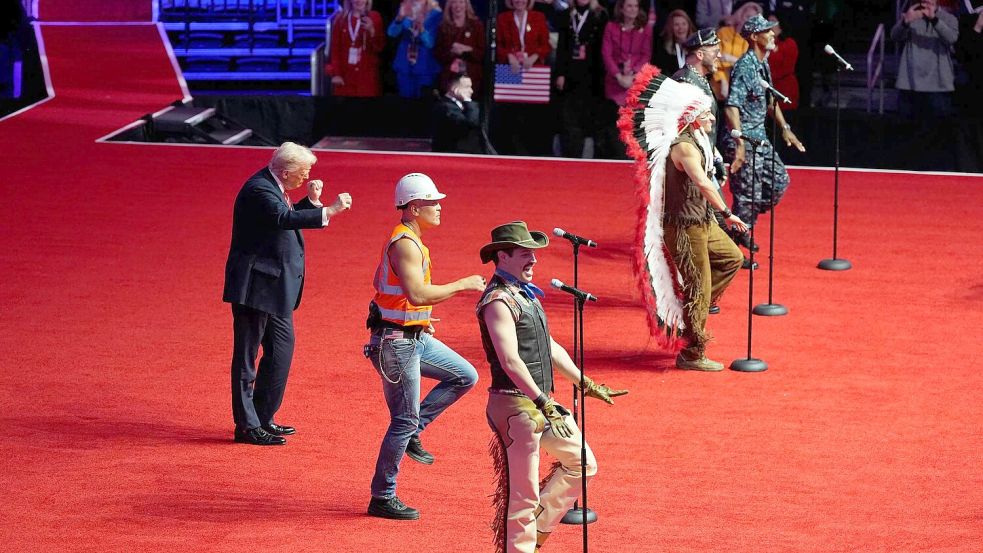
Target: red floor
[(864, 435)]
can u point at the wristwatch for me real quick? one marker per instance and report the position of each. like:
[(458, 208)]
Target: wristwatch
[(726, 213), (787, 127)]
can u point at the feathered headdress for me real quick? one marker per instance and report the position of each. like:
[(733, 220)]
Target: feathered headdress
[(657, 110)]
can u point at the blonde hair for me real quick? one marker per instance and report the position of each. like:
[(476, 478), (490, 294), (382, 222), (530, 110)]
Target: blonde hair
[(448, 19), (347, 6), (291, 157), (667, 38), (429, 6)]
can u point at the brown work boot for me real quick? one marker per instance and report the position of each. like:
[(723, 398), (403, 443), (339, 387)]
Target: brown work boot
[(701, 364)]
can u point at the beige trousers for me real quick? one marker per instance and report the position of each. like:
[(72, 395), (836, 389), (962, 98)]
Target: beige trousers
[(528, 510)]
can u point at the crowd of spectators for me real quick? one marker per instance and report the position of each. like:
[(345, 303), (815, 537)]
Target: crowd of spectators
[(595, 48)]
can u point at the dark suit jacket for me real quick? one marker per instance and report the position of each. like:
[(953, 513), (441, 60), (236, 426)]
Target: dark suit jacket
[(456, 129), (265, 269)]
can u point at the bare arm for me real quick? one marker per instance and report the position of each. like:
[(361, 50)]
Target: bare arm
[(787, 135), (407, 259), (687, 158), (501, 330), (563, 363)]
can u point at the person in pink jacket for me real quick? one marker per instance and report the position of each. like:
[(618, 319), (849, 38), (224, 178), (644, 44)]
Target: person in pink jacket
[(627, 46)]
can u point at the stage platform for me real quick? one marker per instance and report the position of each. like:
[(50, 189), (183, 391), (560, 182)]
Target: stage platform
[(864, 434)]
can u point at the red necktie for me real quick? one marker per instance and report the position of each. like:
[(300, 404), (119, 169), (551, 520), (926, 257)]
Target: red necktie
[(286, 198)]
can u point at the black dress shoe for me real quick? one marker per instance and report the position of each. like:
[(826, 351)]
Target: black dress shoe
[(415, 451), (392, 508), (258, 436), (714, 309), (279, 430), (747, 264)]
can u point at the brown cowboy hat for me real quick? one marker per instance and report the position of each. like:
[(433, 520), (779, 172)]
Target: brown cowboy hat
[(511, 235)]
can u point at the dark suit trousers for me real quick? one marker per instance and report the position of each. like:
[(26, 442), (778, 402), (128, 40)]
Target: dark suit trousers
[(257, 397)]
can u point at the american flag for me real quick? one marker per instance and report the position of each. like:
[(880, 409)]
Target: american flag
[(530, 86)]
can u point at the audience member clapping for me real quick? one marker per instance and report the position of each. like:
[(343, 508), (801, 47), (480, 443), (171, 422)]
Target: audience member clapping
[(415, 27)]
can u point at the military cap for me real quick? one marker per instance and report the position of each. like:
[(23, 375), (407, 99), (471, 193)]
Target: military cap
[(756, 24)]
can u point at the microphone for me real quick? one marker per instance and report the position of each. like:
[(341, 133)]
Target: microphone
[(843, 63), (584, 296), (574, 238), (775, 92), (738, 134)]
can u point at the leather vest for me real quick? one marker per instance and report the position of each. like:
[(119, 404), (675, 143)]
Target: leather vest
[(531, 331), (684, 204)]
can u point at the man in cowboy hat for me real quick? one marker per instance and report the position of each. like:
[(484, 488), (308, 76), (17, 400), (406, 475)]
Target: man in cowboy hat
[(746, 110), (402, 347), (522, 355)]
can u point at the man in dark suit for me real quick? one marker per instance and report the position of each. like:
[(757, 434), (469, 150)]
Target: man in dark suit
[(264, 279), (456, 125)]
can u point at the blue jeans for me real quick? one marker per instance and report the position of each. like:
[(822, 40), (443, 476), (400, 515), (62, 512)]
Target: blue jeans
[(400, 363)]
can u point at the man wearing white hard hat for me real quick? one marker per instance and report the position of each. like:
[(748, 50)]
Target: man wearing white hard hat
[(402, 346)]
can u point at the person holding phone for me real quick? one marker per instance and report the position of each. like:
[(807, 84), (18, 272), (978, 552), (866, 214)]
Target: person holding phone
[(926, 78), (457, 125)]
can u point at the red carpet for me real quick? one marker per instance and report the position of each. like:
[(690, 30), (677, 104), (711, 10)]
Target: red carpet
[(864, 435), (95, 10)]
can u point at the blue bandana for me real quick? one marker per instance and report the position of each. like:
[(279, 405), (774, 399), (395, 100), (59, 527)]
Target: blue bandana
[(529, 289)]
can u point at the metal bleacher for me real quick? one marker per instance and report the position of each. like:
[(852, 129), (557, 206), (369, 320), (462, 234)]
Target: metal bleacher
[(247, 45)]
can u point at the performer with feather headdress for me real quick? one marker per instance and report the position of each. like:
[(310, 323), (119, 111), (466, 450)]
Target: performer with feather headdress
[(683, 260)]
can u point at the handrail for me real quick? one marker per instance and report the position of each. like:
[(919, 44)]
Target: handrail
[(875, 71), (30, 8), (320, 57)]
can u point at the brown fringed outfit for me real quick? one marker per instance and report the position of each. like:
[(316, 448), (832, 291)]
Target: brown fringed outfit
[(706, 258)]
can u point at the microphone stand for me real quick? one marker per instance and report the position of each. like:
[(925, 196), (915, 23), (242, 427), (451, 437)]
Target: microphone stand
[(576, 515), (835, 263), (750, 365), (771, 309)]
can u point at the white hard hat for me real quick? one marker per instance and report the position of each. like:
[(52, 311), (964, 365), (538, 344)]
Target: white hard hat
[(416, 186)]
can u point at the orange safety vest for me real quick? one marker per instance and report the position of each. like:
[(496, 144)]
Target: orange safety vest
[(389, 295)]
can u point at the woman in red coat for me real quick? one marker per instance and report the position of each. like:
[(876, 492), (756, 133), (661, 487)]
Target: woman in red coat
[(523, 37), (460, 44), (357, 39), (782, 62)]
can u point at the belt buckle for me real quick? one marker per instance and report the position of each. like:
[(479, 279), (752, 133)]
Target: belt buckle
[(392, 334)]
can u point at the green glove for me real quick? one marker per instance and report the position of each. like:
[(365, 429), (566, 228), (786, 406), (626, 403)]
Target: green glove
[(554, 413), (600, 391)]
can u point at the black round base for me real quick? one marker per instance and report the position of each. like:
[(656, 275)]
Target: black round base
[(749, 365), (576, 516), (835, 265), (770, 309)]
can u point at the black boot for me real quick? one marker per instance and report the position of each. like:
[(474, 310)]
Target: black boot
[(743, 239), (415, 451)]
